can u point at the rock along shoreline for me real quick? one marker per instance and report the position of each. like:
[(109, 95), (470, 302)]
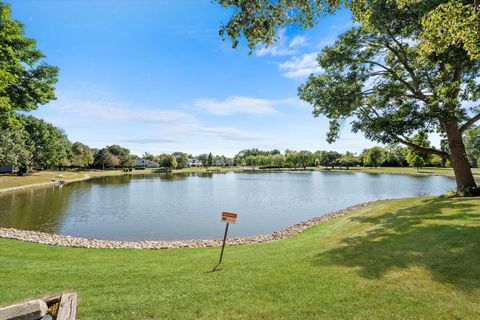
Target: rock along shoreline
[(69, 241)]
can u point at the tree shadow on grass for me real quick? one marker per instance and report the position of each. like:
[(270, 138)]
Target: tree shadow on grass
[(431, 235)]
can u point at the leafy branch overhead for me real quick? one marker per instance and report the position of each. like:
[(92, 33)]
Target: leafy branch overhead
[(438, 23), (25, 81)]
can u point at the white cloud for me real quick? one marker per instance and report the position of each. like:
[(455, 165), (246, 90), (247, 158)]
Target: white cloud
[(247, 105), (165, 126), (297, 41), (231, 134), (284, 46), (146, 140), (237, 105), (301, 66), (116, 112)]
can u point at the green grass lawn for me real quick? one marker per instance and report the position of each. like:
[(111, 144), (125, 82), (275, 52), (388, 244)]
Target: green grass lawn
[(398, 259), (422, 171), (12, 180)]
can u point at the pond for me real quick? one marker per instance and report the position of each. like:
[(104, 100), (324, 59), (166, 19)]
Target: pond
[(188, 206)]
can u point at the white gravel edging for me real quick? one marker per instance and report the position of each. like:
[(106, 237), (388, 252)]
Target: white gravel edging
[(69, 241)]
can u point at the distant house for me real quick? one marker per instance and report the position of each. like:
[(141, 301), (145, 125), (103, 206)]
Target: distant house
[(7, 169), (194, 163), (143, 163)]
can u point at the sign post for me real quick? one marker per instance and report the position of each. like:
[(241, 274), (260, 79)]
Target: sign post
[(228, 218)]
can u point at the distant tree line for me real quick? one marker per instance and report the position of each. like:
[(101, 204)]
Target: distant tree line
[(29, 142)]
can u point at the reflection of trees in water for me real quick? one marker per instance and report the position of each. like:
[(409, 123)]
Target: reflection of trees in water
[(124, 179), (39, 209), (184, 175), (43, 209)]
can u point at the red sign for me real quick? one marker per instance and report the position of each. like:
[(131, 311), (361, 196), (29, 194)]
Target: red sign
[(229, 217)]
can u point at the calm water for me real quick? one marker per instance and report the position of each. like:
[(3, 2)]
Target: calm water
[(188, 206)]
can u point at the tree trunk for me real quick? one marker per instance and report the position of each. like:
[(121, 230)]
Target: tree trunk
[(458, 157)]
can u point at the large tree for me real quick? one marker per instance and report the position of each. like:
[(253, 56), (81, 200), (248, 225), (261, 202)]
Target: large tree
[(122, 154), (374, 75), (13, 148), (82, 155), (49, 145), (25, 81)]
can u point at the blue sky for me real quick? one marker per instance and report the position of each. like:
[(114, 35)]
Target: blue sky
[(155, 76)]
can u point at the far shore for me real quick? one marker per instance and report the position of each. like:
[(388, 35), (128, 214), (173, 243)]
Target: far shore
[(48, 178)]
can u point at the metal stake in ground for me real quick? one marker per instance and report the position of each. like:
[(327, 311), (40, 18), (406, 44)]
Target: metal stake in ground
[(228, 218)]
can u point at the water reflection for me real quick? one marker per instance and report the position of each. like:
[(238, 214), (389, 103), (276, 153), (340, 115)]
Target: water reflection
[(40, 209)]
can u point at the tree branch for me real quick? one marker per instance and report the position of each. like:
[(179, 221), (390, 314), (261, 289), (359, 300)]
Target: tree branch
[(422, 149), (418, 95), (406, 141), (469, 123), (403, 60)]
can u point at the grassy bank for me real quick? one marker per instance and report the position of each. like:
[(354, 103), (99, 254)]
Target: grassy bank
[(41, 177), (413, 171), (397, 259)]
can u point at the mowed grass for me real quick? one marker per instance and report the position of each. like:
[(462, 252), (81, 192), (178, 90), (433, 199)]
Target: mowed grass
[(12, 180), (411, 171), (397, 259)]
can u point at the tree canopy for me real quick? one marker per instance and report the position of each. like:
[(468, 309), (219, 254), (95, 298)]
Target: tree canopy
[(25, 80), (438, 23), (375, 76)]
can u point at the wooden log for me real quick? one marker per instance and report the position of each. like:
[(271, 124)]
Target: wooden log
[(30, 310), (68, 307), (51, 299)]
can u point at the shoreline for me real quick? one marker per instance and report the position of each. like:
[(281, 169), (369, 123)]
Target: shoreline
[(77, 242), (89, 177), (44, 184)]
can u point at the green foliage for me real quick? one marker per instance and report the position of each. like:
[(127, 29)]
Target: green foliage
[(204, 159), (105, 158), (25, 81), (13, 148), (163, 160), (122, 154), (413, 155), (172, 162), (49, 145), (257, 20), (398, 105), (148, 156), (415, 160), (374, 157), (472, 143), (182, 159), (436, 161), (210, 159), (327, 158), (452, 24), (348, 160), (440, 24), (395, 156), (82, 155)]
